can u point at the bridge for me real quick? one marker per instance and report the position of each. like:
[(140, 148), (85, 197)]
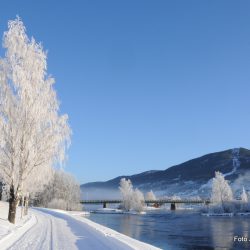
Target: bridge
[(155, 202)]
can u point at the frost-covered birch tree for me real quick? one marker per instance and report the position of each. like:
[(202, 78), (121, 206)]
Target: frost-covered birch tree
[(221, 192), (138, 200), (126, 189), (33, 134), (131, 199)]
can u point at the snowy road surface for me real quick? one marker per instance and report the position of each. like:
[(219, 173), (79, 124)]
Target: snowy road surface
[(59, 231)]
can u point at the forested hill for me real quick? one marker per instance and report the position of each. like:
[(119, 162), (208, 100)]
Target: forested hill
[(192, 177)]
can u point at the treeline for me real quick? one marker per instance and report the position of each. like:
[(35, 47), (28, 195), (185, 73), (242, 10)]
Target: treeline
[(223, 199), (62, 192)]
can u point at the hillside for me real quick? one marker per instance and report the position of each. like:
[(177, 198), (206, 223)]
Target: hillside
[(189, 178)]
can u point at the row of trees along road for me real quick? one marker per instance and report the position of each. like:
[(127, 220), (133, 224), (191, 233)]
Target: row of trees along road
[(33, 135), (63, 192)]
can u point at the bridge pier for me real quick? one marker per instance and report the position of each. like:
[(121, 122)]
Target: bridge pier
[(104, 204), (206, 202), (172, 206)]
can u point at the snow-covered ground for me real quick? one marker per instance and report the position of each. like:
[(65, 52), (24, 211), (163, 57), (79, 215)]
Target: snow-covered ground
[(9, 232), (108, 211), (55, 229), (116, 211)]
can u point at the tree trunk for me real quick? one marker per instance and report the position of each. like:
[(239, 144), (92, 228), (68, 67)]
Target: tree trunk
[(22, 204), (1, 192), (26, 205), (13, 203)]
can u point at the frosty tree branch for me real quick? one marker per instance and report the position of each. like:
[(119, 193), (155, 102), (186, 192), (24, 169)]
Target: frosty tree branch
[(33, 134)]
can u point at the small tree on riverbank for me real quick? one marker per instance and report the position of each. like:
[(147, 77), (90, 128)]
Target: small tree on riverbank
[(222, 194), (244, 201), (138, 200), (126, 189), (131, 199)]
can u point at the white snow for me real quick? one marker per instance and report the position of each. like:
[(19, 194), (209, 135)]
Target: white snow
[(236, 161), (9, 232), (57, 229), (108, 211), (151, 208), (243, 214), (218, 215)]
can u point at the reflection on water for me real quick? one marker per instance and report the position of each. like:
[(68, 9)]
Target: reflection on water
[(223, 231), (180, 229)]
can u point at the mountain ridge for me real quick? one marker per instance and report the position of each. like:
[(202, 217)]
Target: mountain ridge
[(187, 177)]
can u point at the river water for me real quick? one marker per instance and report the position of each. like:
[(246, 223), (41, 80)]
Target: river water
[(180, 229)]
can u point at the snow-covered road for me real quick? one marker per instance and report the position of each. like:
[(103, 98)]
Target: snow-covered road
[(54, 230)]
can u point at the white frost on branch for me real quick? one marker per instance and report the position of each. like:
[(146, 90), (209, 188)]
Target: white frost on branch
[(244, 197), (131, 199), (33, 135), (222, 194), (138, 201), (126, 189), (63, 192)]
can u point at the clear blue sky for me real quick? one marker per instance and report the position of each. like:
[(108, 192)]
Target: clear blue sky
[(146, 84)]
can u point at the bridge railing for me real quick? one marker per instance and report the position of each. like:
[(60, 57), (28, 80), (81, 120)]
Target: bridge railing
[(160, 201)]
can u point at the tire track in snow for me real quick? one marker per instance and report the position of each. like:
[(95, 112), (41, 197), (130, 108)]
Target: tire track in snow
[(37, 237), (51, 235), (59, 231)]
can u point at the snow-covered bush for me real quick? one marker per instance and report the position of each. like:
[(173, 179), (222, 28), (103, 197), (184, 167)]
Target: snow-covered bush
[(58, 204), (63, 192), (150, 196)]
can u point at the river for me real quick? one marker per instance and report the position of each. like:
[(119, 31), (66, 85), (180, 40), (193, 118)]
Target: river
[(180, 229)]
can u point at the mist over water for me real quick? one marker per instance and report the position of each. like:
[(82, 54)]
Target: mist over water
[(100, 194)]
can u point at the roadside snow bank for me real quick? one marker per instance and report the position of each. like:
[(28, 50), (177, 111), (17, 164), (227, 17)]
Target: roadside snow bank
[(9, 232), (133, 243)]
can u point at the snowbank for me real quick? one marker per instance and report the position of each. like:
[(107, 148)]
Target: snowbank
[(226, 214), (134, 212), (80, 213), (9, 232), (115, 211), (108, 211)]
